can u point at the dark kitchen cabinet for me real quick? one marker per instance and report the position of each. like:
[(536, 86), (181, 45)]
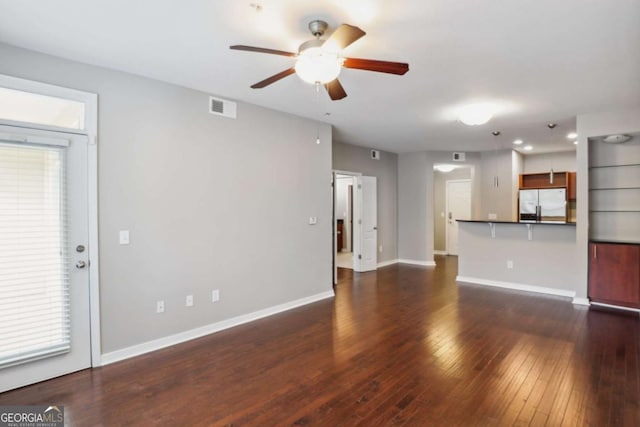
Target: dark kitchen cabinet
[(614, 273)]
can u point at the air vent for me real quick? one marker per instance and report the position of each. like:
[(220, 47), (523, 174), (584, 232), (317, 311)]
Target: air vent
[(375, 154), (222, 107), (459, 157)]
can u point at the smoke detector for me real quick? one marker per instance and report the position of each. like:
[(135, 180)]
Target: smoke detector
[(616, 139)]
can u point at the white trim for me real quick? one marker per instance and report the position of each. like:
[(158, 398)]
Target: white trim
[(90, 101), (440, 252), (581, 301), (517, 286), (9, 134), (617, 307), (149, 346), (415, 262), (386, 263)]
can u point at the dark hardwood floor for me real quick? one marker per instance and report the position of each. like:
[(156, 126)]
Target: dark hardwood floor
[(403, 346)]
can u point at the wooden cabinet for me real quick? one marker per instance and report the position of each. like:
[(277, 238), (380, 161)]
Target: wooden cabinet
[(340, 235), (543, 180), (614, 273)]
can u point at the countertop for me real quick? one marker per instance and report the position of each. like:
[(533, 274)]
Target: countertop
[(516, 222)]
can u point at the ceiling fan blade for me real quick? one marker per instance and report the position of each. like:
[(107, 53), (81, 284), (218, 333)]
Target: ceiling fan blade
[(375, 65), (343, 37), (261, 50), (335, 89), (274, 78)]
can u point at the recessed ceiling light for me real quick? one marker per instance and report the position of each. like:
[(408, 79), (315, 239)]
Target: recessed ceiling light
[(572, 135), (575, 142), (518, 142), (476, 114), (528, 147)]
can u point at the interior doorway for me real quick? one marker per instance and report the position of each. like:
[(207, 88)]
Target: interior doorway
[(458, 196), (344, 220), (355, 230)]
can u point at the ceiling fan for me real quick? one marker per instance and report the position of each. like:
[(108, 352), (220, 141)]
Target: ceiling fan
[(319, 61)]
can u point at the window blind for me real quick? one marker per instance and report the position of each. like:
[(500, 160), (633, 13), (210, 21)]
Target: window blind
[(34, 280)]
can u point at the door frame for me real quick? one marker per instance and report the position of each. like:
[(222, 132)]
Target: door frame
[(446, 206), (334, 220), (90, 101)]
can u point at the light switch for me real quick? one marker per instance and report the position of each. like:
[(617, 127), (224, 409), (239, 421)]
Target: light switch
[(124, 237), (313, 220)]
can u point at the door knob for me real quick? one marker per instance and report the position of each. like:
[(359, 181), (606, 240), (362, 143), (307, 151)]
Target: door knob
[(81, 264)]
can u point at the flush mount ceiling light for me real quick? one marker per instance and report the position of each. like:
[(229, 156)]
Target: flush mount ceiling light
[(476, 114), (517, 142), (444, 168), (616, 139), (572, 135), (528, 147)]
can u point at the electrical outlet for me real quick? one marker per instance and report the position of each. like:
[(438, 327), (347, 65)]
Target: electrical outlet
[(215, 295), (189, 301), (509, 264), (160, 307), (493, 216)]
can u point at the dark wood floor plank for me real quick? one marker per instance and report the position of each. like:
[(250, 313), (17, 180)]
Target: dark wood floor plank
[(401, 346)]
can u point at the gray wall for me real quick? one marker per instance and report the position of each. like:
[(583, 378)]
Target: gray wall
[(211, 203), (439, 203), (416, 201), (564, 161), (352, 158)]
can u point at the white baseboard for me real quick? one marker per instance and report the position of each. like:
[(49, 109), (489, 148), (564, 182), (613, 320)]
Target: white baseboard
[(414, 262), (386, 263), (517, 286), (581, 301), (149, 346), (440, 253)]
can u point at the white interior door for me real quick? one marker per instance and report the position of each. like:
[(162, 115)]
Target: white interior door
[(365, 209), (458, 207), (44, 278)]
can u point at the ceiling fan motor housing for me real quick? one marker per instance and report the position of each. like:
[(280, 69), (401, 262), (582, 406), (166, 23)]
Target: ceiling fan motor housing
[(318, 27)]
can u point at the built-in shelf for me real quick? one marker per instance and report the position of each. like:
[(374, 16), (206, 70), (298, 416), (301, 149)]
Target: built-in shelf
[(613, 211), (614, 166), (614, 188)]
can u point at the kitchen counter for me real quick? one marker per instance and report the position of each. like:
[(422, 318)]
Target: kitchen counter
[(516, 222), (540, 257)]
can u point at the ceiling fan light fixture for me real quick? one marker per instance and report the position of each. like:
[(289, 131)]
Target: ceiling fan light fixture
[(476, 114), (315, 65)]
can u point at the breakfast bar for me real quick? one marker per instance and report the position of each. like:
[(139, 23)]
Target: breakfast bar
[(530, 256)]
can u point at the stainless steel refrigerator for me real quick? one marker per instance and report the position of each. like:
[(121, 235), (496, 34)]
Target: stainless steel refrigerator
[(543, 205)]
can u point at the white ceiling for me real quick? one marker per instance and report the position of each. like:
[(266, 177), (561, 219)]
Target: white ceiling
[(540, 60)]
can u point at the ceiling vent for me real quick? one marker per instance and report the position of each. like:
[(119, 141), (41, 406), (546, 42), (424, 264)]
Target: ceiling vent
[(222, 107), (459, 157)]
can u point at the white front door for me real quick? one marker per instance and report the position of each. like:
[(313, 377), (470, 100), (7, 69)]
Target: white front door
[(458, 207), (44, 256), (365, 242)]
